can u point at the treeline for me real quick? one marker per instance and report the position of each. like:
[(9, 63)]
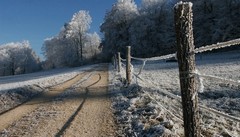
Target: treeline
[(149, 27), (18, 58)]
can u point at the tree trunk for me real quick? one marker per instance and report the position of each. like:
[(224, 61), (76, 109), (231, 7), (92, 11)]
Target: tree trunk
[(81, 47)]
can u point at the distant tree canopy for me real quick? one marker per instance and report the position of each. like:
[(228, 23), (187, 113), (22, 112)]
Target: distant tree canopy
[(149, 28), (18, 58), (73, 45)]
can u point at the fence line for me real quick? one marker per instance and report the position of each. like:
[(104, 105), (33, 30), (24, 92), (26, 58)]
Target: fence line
[(196, 73), (187, 70), (197, 50), (199, 75)]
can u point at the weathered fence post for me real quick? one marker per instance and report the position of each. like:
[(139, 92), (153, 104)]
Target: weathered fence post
[(119, 62), (128, 66), (186, 62)]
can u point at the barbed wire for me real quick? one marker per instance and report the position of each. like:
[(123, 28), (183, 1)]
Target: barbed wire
[(217, 46), (155, 58)]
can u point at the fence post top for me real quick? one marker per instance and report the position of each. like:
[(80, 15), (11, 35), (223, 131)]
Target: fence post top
[(181, 3), (184, 3)]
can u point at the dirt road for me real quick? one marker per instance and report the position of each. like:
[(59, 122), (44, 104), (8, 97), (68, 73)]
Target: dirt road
[(79, 107)]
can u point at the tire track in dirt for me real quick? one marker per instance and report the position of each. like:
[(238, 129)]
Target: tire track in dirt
[(8, 117), (95, 118), (36, 95), (71, 119)]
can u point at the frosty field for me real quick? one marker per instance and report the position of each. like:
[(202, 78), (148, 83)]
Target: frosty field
[(152, 105)]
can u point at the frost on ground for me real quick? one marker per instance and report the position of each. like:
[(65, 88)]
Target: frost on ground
[(152, 105), (14, 97), (138, 115), (15, 90)]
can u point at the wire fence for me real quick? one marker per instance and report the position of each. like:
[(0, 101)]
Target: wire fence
[(196, 73)]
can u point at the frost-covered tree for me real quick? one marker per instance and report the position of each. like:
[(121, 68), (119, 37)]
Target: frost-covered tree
[(215, 21), (148, 29), (77, 28), (116, 26), (71, 47), (92, 45), (18, 58), (59, 52), (152, 33)]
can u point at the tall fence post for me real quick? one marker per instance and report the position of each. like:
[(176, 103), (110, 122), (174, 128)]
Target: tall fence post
[(128, 66), (119, 62), (186, 62)]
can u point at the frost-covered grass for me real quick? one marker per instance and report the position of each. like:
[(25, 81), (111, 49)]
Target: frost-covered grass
[(144, 108)]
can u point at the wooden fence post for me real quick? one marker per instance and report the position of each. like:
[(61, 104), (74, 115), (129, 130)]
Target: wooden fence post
[(128, 66), (119, 62), (186, 62)]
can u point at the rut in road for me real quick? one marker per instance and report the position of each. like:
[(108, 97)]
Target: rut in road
[(16, 113), (83, 109)]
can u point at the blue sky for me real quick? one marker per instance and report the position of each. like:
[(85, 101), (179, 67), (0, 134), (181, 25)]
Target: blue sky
[(35, 20)]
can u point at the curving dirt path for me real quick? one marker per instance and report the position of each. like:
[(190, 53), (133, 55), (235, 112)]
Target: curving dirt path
[(78, 107)]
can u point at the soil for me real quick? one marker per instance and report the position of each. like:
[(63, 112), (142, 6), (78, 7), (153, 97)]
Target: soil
[(78, 107)]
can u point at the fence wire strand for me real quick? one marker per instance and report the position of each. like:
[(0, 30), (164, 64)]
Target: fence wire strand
[(143, 65), (229, 81), (156, 58), (217, 46)]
